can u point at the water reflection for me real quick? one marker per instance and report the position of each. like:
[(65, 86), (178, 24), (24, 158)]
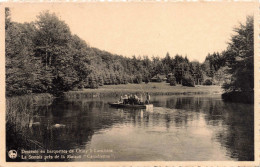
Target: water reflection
[(233, 123), (178, 128)]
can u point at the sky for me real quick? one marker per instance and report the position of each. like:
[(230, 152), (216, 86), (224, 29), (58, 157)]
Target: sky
[(151, 29)]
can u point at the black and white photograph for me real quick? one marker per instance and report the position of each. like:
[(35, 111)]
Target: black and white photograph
[(130, 82)]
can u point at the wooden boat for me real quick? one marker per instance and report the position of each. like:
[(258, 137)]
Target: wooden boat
[(136, 106)]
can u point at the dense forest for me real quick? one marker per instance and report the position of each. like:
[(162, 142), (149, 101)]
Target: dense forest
[(45, 57)]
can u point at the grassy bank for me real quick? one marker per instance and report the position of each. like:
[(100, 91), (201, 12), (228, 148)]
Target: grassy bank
[(19, 112), (153, 89)]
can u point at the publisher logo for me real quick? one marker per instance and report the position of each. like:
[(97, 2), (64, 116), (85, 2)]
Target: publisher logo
[(12, 154)]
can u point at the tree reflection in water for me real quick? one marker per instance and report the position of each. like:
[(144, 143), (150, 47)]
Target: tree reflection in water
[(236, 120)]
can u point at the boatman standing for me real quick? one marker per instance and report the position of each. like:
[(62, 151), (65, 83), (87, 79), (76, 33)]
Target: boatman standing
[(141, 99), (148, 98)]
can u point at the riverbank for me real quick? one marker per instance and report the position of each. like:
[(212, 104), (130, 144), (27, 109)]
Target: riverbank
[(152, 88)]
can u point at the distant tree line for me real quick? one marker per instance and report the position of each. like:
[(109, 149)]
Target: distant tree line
[(45, 57)]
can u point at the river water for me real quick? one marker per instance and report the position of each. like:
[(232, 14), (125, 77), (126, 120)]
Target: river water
[(179, 128)]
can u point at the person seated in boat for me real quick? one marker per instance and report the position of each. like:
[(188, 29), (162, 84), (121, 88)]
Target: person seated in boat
[(138, 100), (121, 100), (125, 99), (132, 100)]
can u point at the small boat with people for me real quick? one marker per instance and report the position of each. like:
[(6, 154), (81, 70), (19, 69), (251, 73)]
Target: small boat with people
[(137, 106), (133, 101)]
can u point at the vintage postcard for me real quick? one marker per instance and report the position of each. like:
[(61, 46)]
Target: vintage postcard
[(129, 83)]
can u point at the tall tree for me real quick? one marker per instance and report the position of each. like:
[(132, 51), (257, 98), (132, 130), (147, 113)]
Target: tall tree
[(240, 58), (21, 69), (52, 42)]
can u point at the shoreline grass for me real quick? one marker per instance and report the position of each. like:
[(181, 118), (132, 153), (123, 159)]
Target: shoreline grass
[(19, 112), (152, 88)]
